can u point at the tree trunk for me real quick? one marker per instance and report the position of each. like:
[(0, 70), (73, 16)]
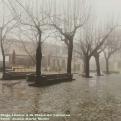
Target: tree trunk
[(97, 64), (69, 60), (3, 55), (107, 66), (4, 70), (38, 57), (87, 66)]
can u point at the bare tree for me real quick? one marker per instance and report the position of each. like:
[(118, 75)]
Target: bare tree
[(90, 45), (96, 55), (112, 45), (5, 29), (34, 23), (68, 24)]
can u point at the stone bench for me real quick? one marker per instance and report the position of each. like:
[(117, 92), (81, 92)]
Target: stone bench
[(49, 79)]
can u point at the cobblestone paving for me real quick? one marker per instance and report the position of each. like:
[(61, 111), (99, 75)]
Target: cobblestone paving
[(94, 99)]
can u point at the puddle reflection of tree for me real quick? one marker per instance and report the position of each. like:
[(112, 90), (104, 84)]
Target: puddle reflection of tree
[(68, 106), (35, 106), (95, 87), (39, 93), (10, 87), (7, 90)]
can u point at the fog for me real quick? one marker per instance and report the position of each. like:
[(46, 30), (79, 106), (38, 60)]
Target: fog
[(103, 9)]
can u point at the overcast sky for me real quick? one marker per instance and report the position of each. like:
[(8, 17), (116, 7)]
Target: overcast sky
[(103, 9), (107, 8)]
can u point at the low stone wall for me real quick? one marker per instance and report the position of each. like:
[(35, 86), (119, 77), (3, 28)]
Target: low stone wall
[(16, 75), (46, 80)]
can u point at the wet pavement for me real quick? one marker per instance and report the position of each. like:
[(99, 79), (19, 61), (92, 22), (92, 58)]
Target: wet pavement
[(94, 99)]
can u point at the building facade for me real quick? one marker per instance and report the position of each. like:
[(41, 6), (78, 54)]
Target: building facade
[(22, 54)]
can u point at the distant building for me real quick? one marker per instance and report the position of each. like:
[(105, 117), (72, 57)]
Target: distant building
[(54, 56)]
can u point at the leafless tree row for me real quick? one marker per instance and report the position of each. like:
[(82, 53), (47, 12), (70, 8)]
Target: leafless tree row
[(69, 22)]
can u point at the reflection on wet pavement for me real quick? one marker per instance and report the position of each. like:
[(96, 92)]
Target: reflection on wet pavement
[(94, 99)]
